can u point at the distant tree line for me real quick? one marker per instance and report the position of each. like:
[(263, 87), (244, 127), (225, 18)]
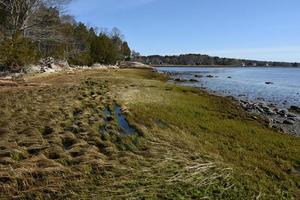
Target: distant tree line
[(34, 29), (199, 59)]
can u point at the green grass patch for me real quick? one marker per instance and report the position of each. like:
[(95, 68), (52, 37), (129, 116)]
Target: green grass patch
[(188, 144)]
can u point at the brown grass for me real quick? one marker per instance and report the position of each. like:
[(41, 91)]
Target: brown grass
[(188, 145)]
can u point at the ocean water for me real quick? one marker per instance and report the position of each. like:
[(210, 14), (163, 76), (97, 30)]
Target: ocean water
[(245, 82)]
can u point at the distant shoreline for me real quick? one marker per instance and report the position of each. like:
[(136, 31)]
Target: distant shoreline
[(202, 66)]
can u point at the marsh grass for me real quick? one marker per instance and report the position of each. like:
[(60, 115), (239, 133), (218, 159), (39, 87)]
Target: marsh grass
[(188, 144)]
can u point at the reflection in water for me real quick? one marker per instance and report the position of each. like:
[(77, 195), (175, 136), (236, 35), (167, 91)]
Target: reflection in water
[(122, 122)]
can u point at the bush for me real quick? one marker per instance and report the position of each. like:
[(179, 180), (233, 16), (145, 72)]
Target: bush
[(81, 59), (16, 53)]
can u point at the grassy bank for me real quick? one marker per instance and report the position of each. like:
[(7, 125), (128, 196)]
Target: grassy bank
[(58, 143)]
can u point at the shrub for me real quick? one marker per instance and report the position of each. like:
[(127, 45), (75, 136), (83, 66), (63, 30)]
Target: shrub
[(16, 53), (81, 59)]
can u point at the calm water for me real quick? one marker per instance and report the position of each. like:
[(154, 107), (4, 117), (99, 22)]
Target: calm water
[(246, 83)]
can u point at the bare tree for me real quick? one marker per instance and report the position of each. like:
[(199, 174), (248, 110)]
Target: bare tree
[(20, 14)]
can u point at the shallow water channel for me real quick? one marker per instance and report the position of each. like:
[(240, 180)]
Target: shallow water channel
[(121, 120)]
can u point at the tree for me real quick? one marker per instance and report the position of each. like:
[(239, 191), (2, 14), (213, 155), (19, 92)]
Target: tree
[(81, 35), (68, 19), (126, 52), (20, 15), (135, 54), (103, 50), (38, 27), (26, 27), (117, 39), (80, 54), (2, 24), (15, 56)]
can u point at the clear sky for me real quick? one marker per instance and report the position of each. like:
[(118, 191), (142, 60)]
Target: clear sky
[(254, 29)]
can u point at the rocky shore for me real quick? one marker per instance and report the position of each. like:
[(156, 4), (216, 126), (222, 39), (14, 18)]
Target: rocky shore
[(51, 65), (284, 120), (287, 121)]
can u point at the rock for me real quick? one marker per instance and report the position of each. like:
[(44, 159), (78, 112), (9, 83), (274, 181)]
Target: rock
[(209, 76), (47, 65), (268, 110), (282, 113), (179, 80), (254, 117), (198, 76), (99, 66), (33, 69), (231, 98), (292, 119), (288, 122), (269, 83), (63, 64), (294, 109), (193, 80), (229, 77), (243, 101), (259, 109), (260, 99), (47, 61), (272, 105), (291, 115)]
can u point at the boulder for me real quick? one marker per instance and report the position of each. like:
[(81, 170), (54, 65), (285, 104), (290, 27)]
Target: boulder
[(288, 122), (99, 66), (294, 109), (33, 69), (179, 80), (282, 113), (269, 83)]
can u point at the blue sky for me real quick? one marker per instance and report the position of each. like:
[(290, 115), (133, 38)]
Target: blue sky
[(254, 29)]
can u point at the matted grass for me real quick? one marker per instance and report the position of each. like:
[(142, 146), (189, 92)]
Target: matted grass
[(188, 144)]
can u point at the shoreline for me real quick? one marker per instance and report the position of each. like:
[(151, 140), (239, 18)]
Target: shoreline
[(69, 127), (222, 66), (277, 117)]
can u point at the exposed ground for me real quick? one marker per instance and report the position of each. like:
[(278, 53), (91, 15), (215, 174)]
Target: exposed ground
[(58, 143)]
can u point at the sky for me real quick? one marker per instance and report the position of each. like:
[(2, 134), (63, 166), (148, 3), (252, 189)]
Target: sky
[(252, 29)]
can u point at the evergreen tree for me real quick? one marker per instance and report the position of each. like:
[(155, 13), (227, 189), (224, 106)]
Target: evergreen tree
[(126, 52), (103, 50)]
